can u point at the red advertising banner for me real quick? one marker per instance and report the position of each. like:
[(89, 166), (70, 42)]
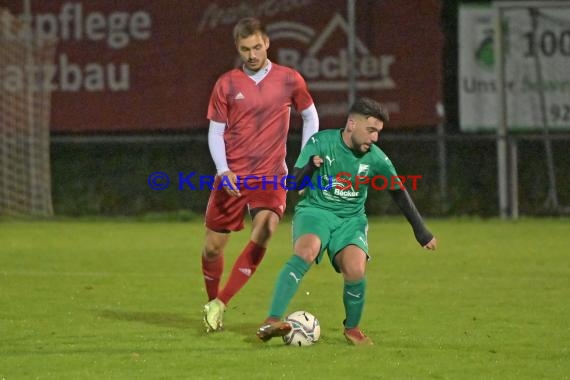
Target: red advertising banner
[(142, 65)]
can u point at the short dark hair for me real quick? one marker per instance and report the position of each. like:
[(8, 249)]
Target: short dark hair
[(370, 108), (248, 26)]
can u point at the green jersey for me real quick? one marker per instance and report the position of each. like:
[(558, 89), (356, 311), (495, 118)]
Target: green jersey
[(341, 183)]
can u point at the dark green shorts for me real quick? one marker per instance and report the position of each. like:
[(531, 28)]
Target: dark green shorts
[(335, 233)]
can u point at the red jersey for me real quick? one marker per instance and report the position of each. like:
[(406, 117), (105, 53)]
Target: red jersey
[(257, 117)]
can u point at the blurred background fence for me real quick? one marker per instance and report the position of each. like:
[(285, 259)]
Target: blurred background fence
[(109, 176)]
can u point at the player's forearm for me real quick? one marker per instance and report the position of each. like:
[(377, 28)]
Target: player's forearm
[(408, 208), (217, 146), (310, 123), (299, 174)]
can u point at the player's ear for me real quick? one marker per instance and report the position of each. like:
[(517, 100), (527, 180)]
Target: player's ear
[(266, 40)]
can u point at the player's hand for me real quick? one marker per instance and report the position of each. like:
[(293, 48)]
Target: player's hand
[(317, 161), (230, 184), (432, 245)]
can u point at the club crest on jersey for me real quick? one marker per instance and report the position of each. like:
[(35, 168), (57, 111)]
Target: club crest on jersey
[(363, 169), (239, 96)]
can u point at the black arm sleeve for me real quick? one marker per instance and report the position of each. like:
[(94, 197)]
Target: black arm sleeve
[(299, 174), (405, 203)]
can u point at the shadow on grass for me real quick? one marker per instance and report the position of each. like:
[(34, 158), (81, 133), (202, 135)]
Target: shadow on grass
[(153, 318), (247, 330)]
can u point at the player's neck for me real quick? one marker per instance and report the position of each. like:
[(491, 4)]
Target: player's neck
[(265, 69), (259, 75)]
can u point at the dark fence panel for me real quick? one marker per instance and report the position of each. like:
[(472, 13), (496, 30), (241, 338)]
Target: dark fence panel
[(102, 177)]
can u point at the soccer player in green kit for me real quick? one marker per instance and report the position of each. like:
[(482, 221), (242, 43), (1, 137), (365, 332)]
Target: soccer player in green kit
[(331, 216)]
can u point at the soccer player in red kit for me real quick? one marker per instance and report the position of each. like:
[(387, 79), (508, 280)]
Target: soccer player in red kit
[(249, 115)]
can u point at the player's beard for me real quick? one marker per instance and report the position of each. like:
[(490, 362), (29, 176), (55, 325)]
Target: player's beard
[(255, 64), (362, 147)]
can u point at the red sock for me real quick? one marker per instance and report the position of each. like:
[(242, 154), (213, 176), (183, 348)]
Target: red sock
[(212, 271), (243, 269)]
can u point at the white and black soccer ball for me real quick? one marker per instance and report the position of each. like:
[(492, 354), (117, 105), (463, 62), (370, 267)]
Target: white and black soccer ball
[(306, 329)]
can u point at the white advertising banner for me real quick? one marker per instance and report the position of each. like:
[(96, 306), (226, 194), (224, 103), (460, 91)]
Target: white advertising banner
[(477, 88), (536, 61)]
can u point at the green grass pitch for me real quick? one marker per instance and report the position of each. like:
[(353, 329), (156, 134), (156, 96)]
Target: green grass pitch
[(112, 299)]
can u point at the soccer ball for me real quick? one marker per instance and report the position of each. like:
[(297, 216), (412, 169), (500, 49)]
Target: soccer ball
[(306, 329)]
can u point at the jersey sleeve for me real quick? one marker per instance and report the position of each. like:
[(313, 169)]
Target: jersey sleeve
[(301, 97), (387, 170), (310, 149), (384, 166), (218, 106)]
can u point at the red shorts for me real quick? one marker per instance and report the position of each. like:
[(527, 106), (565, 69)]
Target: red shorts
[(226, 213)]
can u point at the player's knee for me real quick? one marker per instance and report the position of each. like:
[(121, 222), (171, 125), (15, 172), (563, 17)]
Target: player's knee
[(212, 251), (357, 272), (307, 247), (214, 244), (352, 270), (354, 274), (267, 230), (263, 232), (271, 227), (307, 253)]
